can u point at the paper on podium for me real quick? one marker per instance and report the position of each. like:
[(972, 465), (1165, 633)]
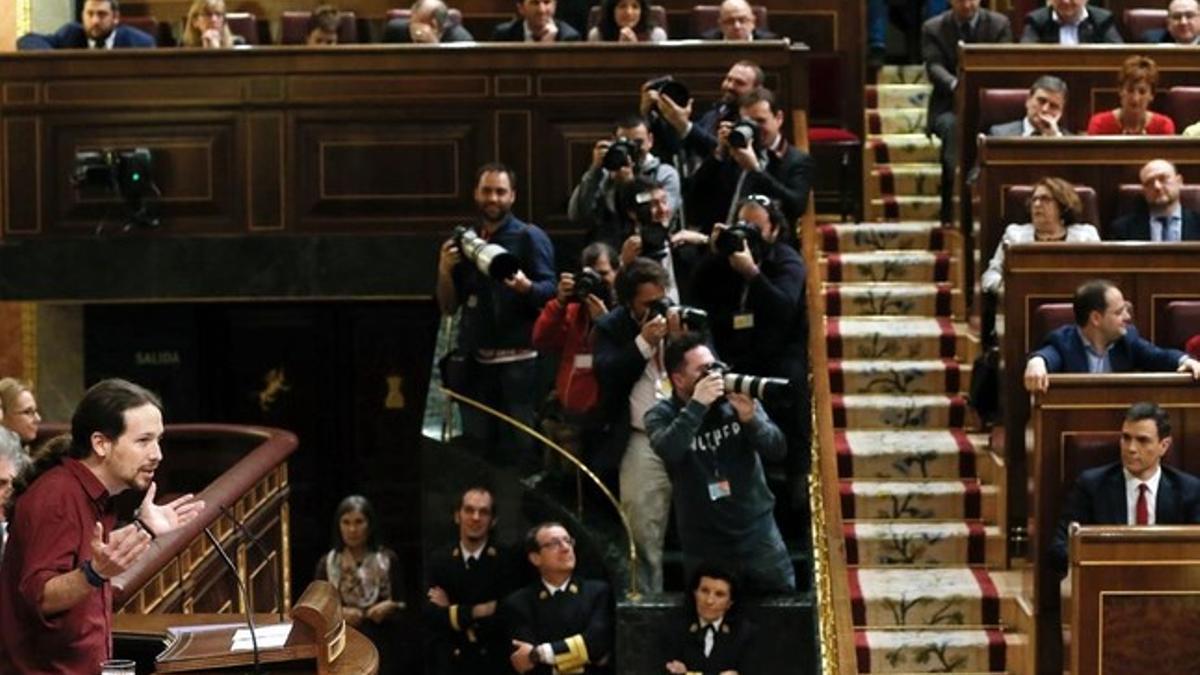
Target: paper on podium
[(269, 637)]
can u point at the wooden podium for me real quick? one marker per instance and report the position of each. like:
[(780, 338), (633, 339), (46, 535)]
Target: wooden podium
[(319, 641)]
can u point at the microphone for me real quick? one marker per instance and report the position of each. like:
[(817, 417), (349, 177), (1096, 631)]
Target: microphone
[(249, 613), (263, 552)]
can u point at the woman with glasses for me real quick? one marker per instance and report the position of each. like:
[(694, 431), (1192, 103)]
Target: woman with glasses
[(206, 27), (366, 574), (1055, 211), (20, 418)]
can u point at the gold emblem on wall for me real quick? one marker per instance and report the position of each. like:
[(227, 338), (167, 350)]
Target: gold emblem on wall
[(395, 395), (274, 384)]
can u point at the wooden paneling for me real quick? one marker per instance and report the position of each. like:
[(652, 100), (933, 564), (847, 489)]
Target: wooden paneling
[(353, 140)]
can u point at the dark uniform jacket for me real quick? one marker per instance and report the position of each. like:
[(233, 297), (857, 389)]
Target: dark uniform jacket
[(1136, 226), (463, 644), (733, 646), (1100, 26), (787, 178), (577, 622), (514, 31)]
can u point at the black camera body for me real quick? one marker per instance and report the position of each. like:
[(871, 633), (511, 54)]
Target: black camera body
[(730, 240), (671, 88), (762, 388), (693, 318), (589, 282), (621, 153), (745, 134), (654, 240), (128, 173)]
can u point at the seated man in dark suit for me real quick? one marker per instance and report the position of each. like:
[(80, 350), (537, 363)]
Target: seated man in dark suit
[(560, 623), (100, 29), (1043, 109), (1159, 215), (1138, 490), (737, 23), (1101, 341), (535, 22), (1183, 25), (766, 165), (428, 23), (1071, 22)]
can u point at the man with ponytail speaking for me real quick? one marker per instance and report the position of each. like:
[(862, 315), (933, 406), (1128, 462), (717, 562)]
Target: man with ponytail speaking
[(62, 550)]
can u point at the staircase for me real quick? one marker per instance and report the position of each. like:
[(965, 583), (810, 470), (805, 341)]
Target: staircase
[(921, 497)]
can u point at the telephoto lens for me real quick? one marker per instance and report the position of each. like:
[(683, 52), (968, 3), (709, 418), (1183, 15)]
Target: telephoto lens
[(491, 259)]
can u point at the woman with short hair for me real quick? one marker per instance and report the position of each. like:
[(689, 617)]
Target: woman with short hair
[(1137, 79), (626, 21)]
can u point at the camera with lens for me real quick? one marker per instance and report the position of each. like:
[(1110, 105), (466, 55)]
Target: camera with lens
[(671, 88), (730, 240), (744, 134), (691, 317), (762, 388), (492, 259), (623, 152), (589, 282)]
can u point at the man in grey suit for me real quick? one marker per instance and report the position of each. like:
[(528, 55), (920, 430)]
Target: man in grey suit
[(1043, 109), (965, 22), (1071, 22)]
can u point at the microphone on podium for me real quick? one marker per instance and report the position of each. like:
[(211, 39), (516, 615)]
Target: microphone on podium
[(249, 610), (246, 533)]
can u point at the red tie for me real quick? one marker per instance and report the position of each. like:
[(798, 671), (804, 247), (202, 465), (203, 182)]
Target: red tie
[(1143, 510)]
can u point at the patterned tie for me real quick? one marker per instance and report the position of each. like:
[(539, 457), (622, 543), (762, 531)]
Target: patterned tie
[(710, 633), (1143, 509)]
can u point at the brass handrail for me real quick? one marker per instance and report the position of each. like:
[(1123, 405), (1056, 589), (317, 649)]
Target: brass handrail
[(633, 593)]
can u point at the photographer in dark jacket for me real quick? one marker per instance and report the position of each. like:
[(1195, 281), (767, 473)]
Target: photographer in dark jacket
[(755, 298), (497, 316), (751, 157)]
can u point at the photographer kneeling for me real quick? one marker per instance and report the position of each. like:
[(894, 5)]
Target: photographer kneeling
[(752, 285), (710, 440), (616, 162)]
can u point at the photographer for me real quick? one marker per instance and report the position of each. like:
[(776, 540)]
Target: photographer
[(752, 157), (710, 441), (629, 345), (671, 120), (615, 162), (565, 328), (752, 285), (647, 228), (498, 359)]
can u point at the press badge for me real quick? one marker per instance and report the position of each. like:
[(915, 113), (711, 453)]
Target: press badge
[(743, 321), (719, 489), (583, 361)]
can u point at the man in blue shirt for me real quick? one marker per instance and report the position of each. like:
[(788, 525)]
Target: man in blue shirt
[(1101, 341), (496, 327), (1159, 215)]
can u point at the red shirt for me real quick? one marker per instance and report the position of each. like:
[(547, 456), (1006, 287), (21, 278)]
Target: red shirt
[(51, 534), (1106, 124)]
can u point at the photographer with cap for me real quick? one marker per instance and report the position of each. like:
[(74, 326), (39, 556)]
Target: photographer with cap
[(752, 157), (494, 349), (710, 441), (615, 162), (752, 285)]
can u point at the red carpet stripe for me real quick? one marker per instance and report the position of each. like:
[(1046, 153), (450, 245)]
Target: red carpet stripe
[(847, 491), (953, 376), (941, 268), (874, 123), (996, 651), (837, 382), (989, 601), (851, 538), (966, 454), (833, 301), (972, 500), (845, 459), (958, 411), (949, 340), (881, 153), (872, 97), (943, 301), (891, 208), (833, 338), (976, 543), (858, 604), (833, 267), (887, 180), (829, 237), (936, 239), (839, 411), (862, 650)]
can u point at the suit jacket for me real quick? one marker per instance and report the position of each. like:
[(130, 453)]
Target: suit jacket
[(759, 34), (396, 31), (1064, 352), (939, 48), (788, 178), (733, 646), (514, 31), (1100, 26), (617, 364), (582, 612), (1015, 128), (463, 644), (1136, 226), (1098, 498), (71, 36)]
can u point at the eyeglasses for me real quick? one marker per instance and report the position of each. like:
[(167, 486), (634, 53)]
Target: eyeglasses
[(1181, 16), (558, 542), (1039, 199)]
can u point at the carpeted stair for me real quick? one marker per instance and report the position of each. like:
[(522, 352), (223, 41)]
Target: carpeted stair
[(920, 496)]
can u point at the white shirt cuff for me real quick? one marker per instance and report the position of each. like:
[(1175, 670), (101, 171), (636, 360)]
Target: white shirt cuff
[(545, 653), (644, 347)]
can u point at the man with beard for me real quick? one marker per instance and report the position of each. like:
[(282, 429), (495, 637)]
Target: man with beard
[(672, 123), (710, 441), (535, 22), (56, 612), (1159, 215), (465, 583), (496, 326), (101, 29)]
